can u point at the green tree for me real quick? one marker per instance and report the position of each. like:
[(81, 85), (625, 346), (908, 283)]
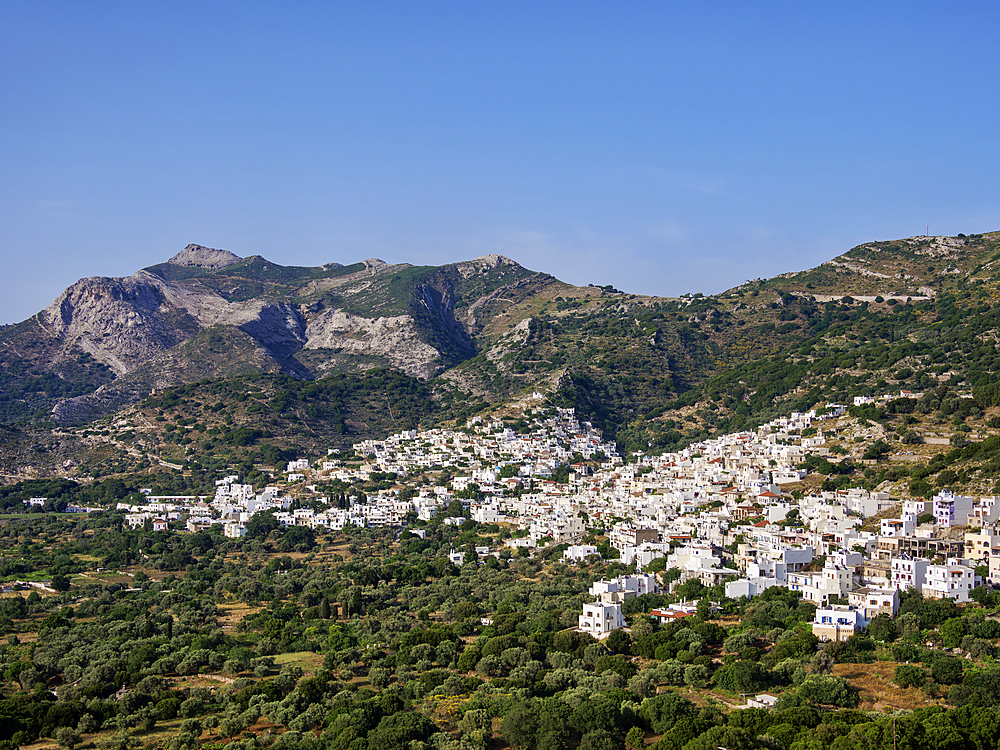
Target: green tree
[(663, 711), (947, 670), (599, 739), (952, 631), (619, 642), (67, 737), (519, 726), (261, 524), (399, 729), (730, 738), (883, 627), (741, 677)]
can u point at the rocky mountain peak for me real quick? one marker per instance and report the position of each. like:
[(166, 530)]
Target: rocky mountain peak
[(482, 264), (196, 256)]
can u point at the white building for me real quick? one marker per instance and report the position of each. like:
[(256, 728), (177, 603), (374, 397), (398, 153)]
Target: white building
[(873, 601), (896, 527), (617, 590), (906, 573), (952, 510), (644, 554), (949, 581), (580, 552), (599, 619), (838, 623), (983, 545)]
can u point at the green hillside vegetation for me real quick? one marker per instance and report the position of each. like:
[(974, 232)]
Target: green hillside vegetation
[(27, 395), (852, 350), (224, 422), (299, 638)]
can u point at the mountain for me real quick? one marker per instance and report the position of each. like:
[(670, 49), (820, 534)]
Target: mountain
[(313, 356), (208, 313)]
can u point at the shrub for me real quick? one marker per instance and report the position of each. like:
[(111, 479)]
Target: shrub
[(909, 675), (829, 690)]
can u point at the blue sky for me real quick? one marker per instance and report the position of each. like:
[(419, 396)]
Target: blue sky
[(661, 147)]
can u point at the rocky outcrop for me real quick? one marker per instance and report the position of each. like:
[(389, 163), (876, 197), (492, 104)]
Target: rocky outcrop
[(482, 264), (196, 256), (278, 328), (396, 338), (436, 311), (119, 322), (100, 403), (214, 353)]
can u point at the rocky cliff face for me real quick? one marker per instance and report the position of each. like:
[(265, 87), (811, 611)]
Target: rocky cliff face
[(395, 337), (120, 322)]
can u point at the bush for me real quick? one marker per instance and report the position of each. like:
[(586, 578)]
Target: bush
[(619, 642), (883, 627), (829, 690), (909, 675), (399, 730), (904, 652), (696, 675), (663, 711), (736, 643)]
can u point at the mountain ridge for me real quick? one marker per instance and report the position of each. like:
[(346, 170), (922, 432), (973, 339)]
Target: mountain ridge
[(657, 372), (400, 315)]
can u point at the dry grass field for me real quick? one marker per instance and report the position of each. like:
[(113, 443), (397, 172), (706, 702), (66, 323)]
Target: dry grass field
[(233, 612), (878, 691), (309, 661)]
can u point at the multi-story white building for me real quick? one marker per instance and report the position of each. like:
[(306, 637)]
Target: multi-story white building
[(599, 619), (898, 526), (985, 511), (619, 589), (951, 509), (948, 581), (982, 545), (916, 507), (837, 623), (874, 601), (580, 552), (833, 580), (906, 573), (644, 554), (627, 535), (865, 503)]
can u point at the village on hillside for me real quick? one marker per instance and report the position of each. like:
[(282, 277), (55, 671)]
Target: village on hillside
[(715, 512)]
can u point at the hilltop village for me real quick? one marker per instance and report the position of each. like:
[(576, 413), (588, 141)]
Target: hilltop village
[(715, 512)]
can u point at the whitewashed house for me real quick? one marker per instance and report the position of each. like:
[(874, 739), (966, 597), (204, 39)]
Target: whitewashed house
[(599, 619)]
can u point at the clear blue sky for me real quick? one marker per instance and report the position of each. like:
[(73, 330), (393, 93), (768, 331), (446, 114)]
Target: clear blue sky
[(662, 147)]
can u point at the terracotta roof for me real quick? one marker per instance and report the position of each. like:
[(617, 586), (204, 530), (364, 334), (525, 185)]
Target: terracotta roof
[(669, 613)]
